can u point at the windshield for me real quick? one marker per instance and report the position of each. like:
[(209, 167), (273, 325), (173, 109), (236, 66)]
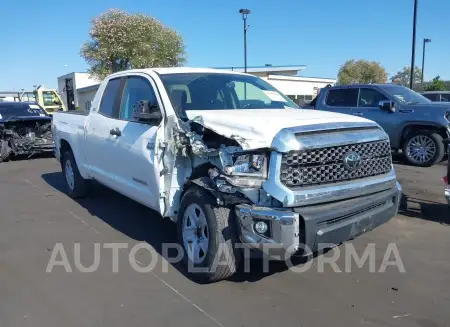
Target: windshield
[(20, 109), (50, 98), (405, 95), (216, 91)]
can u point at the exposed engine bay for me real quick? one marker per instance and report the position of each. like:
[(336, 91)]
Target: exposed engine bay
[(25, 137)]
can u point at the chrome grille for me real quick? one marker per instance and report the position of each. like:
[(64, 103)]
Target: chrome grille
[(326, 165)]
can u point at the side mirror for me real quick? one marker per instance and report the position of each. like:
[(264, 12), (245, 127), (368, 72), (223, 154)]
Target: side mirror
[(386, 105), (144, 111)]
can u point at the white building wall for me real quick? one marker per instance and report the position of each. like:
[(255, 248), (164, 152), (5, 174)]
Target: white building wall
[(299, 89), (79, 80), (291, 87), (85, 99), (84, 80)]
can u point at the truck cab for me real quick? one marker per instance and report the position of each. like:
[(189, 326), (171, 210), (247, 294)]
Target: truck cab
[(232, 161), (48, 99)]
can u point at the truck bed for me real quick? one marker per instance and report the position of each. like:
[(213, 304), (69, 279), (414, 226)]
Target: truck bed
[(70, 127)]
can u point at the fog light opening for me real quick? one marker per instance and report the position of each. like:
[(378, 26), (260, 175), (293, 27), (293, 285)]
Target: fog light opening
[(261, 227)]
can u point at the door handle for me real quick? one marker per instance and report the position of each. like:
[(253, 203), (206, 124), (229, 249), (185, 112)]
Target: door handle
[(358, 113), (115, 131)]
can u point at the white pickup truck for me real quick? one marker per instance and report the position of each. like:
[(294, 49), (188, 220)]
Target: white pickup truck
[(232, 161)]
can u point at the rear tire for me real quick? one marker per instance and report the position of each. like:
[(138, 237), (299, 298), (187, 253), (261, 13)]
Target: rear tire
[(76, 185), (424, 148), (200, 215)]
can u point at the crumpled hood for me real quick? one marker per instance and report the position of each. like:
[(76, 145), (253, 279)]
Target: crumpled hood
[(256, 128)]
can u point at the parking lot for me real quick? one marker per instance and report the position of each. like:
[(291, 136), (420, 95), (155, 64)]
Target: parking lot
[(36, 215)]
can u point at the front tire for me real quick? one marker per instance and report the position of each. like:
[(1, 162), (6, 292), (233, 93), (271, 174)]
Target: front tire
[(208, 234), (77, 187), (424, 148)]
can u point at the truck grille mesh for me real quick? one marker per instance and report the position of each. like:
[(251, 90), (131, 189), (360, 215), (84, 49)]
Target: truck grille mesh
[(326, 165)]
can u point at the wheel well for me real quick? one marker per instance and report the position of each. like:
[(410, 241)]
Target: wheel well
[(65, 146), (411, 128)]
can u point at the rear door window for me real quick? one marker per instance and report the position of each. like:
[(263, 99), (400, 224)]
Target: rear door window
[(342, 97), (445, 97), (370, 97), (109, 104)]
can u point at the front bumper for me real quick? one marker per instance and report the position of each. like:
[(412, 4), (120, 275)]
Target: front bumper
[(41, 147), (303, 230)]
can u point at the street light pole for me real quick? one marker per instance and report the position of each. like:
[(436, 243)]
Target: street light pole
[(413, 54), (425, 41), (244, 13)]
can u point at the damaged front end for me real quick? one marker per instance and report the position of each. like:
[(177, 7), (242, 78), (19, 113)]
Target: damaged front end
[(270, 215), (234, 174), (25, 137)]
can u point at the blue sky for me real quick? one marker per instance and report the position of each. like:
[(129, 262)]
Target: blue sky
[(41, 40)]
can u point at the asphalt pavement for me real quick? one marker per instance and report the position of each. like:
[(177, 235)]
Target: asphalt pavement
[(36, 216)]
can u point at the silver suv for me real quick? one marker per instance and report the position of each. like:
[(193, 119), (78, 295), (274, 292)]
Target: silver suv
[(415, 125)]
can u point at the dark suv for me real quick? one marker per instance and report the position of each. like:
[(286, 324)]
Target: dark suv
[(417, 126)]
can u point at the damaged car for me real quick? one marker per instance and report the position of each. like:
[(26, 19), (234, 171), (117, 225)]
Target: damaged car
[(25, 129), (234, 162)]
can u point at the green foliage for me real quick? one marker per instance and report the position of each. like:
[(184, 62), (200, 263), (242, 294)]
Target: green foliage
[(361, 72), (402, 77), (121, 41), (436, 85)]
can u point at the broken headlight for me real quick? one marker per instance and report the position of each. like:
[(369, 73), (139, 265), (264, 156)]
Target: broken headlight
[(251, 164)]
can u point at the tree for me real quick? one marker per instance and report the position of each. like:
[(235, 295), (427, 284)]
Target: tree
[(402, 77), (436, 85), (361, 72), (121, 41)]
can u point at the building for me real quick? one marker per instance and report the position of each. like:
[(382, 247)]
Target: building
[(285, 78), (69, 87)]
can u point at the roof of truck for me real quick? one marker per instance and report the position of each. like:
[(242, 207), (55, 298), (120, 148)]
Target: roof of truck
[(179, 70), (366, 85)]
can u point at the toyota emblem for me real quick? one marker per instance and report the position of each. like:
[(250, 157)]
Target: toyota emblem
[(352, 161)]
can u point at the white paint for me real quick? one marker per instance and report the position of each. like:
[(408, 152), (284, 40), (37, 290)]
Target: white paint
[(259, 126)]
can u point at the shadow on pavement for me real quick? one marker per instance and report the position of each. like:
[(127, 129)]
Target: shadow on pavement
[(33, 157), (425, 209), (145, 225)]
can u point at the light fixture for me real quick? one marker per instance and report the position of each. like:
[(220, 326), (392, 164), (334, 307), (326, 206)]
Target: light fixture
[(261, 227)]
